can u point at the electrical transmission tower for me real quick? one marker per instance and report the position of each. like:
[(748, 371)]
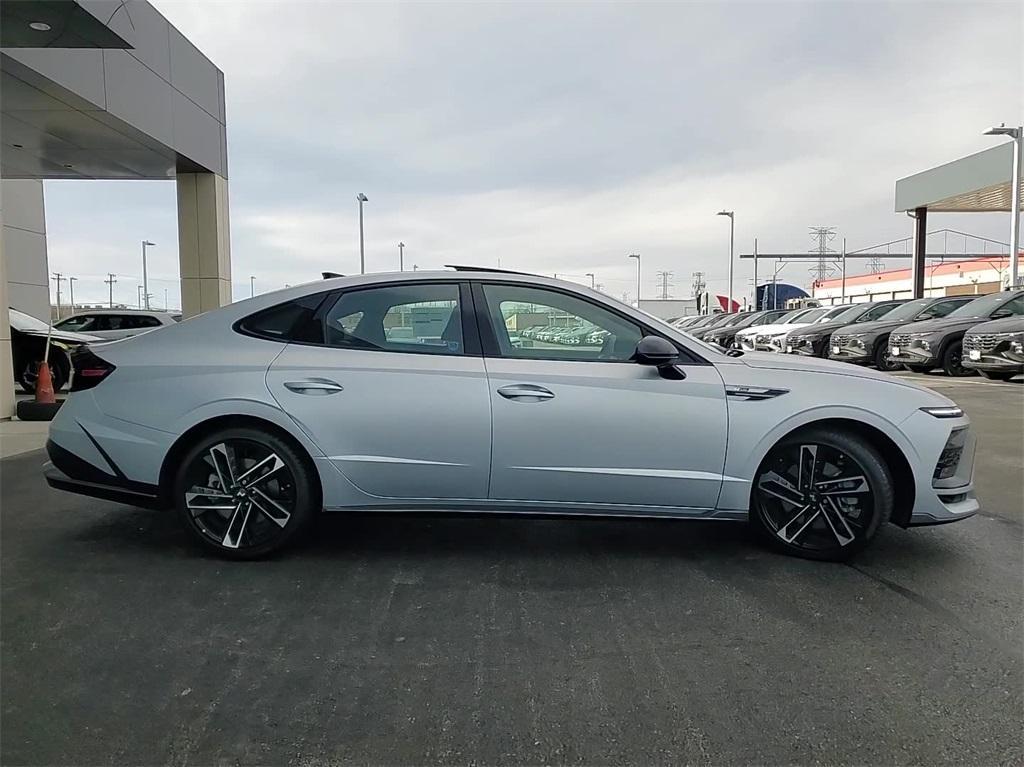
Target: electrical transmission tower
[(666, 282), (875, 265), (823, 235)]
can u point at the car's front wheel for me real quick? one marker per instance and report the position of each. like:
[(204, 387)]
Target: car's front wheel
[(882, 360), (244, 493), (953, 361), (822, 494)]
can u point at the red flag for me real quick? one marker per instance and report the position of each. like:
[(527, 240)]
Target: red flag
[(723, 302)]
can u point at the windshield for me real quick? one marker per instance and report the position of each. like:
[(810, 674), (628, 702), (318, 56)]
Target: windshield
[(793, 316), (22, 321), (982, 307), (849, 314), (813, 315), (909, 310)]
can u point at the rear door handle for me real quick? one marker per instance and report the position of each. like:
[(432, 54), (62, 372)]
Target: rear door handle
[(525, 392), (314, 386)]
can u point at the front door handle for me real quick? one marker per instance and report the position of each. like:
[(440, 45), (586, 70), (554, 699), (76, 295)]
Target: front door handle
[(525, 392), (314, 386)]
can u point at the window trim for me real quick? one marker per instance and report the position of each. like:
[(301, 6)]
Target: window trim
[(470, 337), (492, 350)]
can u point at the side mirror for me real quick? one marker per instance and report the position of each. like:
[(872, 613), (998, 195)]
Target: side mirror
[(999, 314), (655, 350)]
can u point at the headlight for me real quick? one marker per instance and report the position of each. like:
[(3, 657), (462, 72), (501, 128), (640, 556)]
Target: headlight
[(944, 411), (1017, 347)]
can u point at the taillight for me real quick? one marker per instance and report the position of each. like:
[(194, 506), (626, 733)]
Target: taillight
[(88, 369)]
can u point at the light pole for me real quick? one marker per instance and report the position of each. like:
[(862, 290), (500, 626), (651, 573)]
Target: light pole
[(145, 276), (732, 232), (401, 256), (58, 278), (71, 289), (166, 303), (252, 286), (139, 288), (362, 252), (637, 257), (1017, 134), (592, 280)]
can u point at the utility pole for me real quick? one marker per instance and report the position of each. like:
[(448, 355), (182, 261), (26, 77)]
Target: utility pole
[(71, 288), (58, 277), (145, 275), (252, 286), (755, 275), (111, 279), (166, 303), (665, 278), (401, 256), (637, 257), (698, 288)]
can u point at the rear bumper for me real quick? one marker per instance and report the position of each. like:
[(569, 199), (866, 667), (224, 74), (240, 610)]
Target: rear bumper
[(66, 471)]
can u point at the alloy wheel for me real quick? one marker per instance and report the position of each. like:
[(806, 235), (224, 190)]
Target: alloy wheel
[(815, 497), (240, 494)]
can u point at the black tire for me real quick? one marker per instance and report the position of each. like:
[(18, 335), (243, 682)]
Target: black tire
[(60, 371), (918, 368), (246, 520), (803, 519), (953, 363), (997, 375), (880, 358)]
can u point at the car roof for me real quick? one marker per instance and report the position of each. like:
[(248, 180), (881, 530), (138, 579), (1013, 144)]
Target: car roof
[(150, 312)]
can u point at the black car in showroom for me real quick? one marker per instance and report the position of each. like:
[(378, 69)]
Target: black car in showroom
[(813, 340), (924, 346), (867, 343), (725, 336), (996, 349)]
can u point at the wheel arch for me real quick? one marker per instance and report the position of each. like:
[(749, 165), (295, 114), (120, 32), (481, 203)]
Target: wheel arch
[(216, 423), (895, 459)]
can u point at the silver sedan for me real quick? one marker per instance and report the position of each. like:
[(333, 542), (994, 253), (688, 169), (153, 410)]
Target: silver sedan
[(406, 392)]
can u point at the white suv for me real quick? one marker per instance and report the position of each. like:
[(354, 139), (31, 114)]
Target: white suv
[(112, 324)]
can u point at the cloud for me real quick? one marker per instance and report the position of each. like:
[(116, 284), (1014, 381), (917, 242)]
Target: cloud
[(559, 138)]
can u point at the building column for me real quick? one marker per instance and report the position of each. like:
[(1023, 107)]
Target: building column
[(920, 249), (6, 360), (204, 247)]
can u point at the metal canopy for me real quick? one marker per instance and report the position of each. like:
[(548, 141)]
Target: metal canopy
[(977, 183)]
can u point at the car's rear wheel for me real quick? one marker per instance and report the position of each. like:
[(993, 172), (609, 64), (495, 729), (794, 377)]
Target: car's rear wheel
[(881, 359), (997, 375), (953, 361), (245, 492), (60, 370), (823, 494)]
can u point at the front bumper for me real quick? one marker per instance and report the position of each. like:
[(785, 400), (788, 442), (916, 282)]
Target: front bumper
[(816, 347), (847, 354), (912, 356), (951, 497)]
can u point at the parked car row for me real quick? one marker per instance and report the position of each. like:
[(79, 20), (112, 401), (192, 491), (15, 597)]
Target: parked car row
[(958, 334), (576, 335)]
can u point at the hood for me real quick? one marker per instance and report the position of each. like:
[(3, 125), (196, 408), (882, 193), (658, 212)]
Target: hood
[(824, 328), (799, 363), (64, 335), (770, 329), (940, 324), (1005, 325), (872, 328)]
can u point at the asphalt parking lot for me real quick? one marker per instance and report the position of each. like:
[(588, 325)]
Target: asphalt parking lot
[(423, 640)]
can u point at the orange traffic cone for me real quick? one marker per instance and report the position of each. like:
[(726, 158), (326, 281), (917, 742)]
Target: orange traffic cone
[(44, 385)]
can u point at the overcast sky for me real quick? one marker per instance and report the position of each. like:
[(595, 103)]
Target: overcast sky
[(558, 138)]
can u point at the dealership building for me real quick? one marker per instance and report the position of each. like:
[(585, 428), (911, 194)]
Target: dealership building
[(974, 276), (107, 89)]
